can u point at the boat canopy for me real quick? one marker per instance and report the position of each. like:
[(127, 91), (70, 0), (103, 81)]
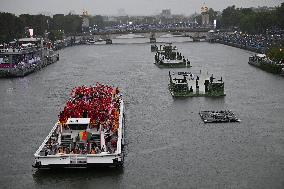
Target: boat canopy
[(261, 55), (29, 39), (27, 45), (78, 123)]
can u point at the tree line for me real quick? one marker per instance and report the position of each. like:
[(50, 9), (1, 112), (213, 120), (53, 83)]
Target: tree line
[(243, 19), (252, 21), (13, 26)]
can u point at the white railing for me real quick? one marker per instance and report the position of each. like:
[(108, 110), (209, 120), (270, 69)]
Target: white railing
[(78, 159), (120, 129), (46, 139)]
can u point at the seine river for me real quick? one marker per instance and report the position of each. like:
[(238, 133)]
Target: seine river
[(168, 145)]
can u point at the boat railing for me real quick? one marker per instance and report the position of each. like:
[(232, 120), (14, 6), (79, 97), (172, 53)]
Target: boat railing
[(73, 157), (120, 128), (19, 49), (46, 139), (78, 159)]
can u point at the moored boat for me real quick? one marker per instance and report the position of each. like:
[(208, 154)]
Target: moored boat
[(25, 56), (90, 131), (154, 48), (264, 63), (90, 41)]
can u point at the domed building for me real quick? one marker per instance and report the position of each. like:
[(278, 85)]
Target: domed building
[(205, 15), (85, 21)]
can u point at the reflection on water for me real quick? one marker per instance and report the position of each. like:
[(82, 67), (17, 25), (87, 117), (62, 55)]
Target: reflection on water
[(52, 176)]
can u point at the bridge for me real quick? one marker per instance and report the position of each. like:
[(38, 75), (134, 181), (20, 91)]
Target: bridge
[(152, 34)]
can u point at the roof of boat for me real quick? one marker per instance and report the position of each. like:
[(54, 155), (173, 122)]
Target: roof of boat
[(30, 39), (261, 55), (78, 121)]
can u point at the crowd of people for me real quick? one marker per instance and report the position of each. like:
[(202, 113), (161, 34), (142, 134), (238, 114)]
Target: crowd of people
[(52, 146), (253, 42), (100, 103), (132, 27), (169, 53)]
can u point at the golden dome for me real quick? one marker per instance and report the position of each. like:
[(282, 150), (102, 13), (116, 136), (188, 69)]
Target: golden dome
[(204, 9), (85, 13)]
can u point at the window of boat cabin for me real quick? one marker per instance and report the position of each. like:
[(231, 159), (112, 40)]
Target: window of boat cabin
[(78, 126), (78, 123)]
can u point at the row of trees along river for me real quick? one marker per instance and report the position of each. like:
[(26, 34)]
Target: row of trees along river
[(250, 20)]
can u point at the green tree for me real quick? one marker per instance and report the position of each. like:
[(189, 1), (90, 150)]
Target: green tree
[(247, 23), (98, 21), (55, 35), (279, 15), (10, 27), (230, 17), (276, 54), (212, 15), (58, 22), (72, 24)]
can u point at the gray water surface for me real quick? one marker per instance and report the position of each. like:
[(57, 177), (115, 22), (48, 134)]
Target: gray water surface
[(168, 145)]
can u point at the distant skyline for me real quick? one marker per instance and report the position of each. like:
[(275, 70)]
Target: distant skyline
[(130, 7)]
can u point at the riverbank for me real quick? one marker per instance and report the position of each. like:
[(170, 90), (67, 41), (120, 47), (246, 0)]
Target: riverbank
[(241, 46), (23, 70), (258, 43)]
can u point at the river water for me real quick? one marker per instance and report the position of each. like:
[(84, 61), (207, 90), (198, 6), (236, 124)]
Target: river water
[(168, 145)]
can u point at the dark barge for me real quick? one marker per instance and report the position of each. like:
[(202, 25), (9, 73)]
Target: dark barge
[(222, 116), (262, 62), (167, 56), (188, 84)]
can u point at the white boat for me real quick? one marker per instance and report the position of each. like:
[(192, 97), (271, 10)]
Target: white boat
[(79, 143), (25, 56), (90, 42)]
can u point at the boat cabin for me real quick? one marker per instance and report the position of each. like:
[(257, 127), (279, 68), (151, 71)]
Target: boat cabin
[(78, 123), (24, 51), (257, 57)]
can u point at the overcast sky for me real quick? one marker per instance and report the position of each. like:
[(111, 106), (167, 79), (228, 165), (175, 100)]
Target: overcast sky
[(131, 7)]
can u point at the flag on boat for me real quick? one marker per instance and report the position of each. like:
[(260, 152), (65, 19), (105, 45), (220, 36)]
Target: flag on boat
[(84, 135)]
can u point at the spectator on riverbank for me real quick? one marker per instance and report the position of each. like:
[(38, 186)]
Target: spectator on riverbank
[(253, 42)]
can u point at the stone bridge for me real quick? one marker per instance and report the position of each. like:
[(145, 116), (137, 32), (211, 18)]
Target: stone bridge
[(194, 33)]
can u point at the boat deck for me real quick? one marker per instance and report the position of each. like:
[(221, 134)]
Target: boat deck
[(69, 142), (191, 80), (189, 84)]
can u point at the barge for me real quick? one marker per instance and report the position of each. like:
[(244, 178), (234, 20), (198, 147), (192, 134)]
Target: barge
[(188, 84), (264, 63), (89, 132), (25, 56), (222, 116), (168, 56), (154, 48)]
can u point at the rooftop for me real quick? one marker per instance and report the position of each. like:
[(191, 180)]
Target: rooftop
[(31, 39), (78, 121)]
